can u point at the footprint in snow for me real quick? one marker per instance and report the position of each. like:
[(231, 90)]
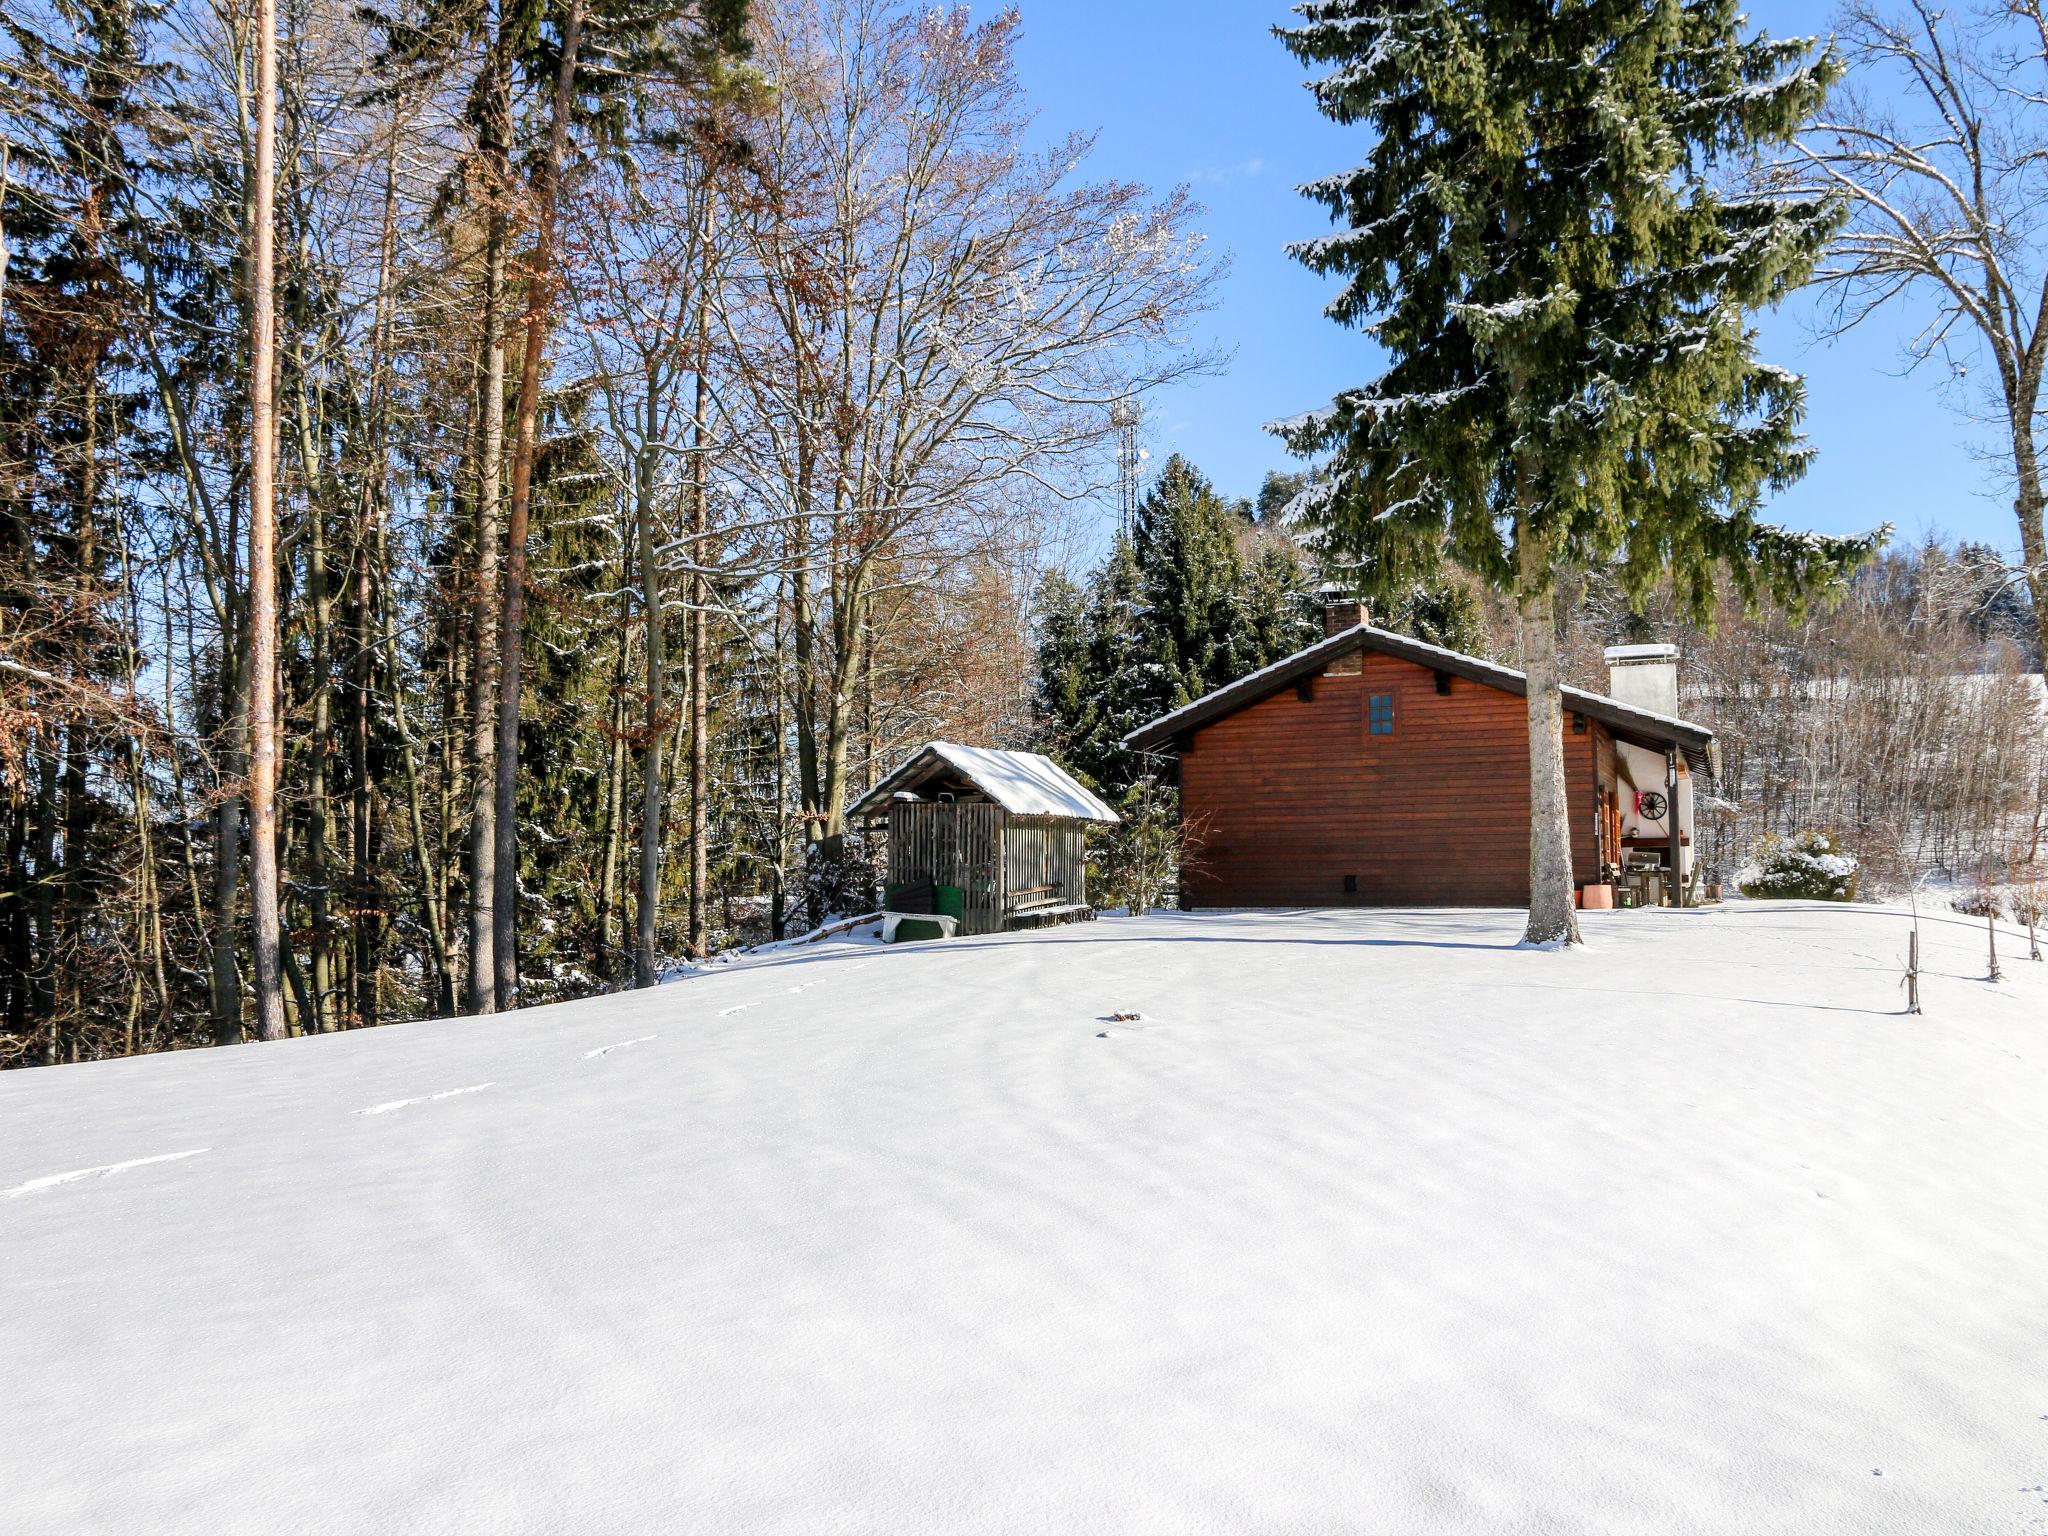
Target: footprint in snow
[(52, 1180), (426, 1098), (726, 1013), (606, 1050)]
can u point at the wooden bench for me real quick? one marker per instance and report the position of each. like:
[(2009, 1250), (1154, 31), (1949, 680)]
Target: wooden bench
[(1036, 906)]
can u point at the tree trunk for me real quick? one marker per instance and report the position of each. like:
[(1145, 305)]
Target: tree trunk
[(263, 881), (2028, 505), (482, 746), (1552, 919), (700, 665), (652, 771), (607, 958), (539, 302)]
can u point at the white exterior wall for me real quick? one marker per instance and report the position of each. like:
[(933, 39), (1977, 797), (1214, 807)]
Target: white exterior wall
[(1647, 677)]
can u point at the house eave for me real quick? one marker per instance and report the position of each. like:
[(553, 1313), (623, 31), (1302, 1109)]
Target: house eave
[(1640, 727)]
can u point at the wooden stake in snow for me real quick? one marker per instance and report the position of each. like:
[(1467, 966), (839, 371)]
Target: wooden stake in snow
[(1913, 967), (1991, 937)]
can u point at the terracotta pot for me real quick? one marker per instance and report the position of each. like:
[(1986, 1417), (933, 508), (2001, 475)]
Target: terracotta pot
[(1597, 898)]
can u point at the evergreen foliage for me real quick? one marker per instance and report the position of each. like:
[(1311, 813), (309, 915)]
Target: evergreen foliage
[(1177, 609), (1539, 243), (1814, 866)]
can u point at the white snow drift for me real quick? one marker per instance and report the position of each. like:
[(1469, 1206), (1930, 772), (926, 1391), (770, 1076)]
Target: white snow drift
[(1366, 1222)]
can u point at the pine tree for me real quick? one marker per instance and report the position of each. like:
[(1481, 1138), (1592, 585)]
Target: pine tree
[(1538, 243)]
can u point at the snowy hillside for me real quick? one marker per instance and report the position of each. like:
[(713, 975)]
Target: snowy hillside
[(1371, 1223)]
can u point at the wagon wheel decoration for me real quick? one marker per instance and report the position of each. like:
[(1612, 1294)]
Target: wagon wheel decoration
[(1650, 805)]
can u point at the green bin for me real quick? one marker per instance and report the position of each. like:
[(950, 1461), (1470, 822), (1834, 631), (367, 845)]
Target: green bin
[(951, 900)]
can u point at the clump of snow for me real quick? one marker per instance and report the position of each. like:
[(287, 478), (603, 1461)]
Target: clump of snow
[(1389, 1226)]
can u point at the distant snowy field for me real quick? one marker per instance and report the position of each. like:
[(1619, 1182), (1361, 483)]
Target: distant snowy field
[(1371, 1224)]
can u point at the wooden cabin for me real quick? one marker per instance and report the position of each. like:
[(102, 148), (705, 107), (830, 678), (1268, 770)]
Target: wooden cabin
[(1008, 829), (1372, 769)]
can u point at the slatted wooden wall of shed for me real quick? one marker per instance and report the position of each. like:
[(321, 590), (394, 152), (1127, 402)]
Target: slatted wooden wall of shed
[(952, 844), (1042, 850)]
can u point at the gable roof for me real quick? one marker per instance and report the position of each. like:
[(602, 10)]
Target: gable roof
[(1022, 783), (1639, 727)]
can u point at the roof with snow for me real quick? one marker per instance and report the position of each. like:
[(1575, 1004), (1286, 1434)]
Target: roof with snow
[(1022, 783), (1640, 727)]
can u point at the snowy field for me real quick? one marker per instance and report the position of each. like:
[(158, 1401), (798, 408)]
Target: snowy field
[(1372, 1224)]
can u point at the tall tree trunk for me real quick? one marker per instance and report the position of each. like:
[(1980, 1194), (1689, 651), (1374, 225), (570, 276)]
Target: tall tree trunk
[(540, 290), (319, 811), (802, 622), (700, 665), (778, 899), (607, 959), (371, 581), (263, 890), (1552, 919), (227, 846), (2028, 505), (653, 784), (485, 600)]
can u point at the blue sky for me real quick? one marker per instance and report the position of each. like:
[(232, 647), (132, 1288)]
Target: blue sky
[(1198, 91)]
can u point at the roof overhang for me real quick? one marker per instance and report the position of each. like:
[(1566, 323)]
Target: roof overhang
[(1037, 786), (1639, 727)]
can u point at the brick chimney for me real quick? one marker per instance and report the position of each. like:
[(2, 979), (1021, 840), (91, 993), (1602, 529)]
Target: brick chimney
[(1341, 611)]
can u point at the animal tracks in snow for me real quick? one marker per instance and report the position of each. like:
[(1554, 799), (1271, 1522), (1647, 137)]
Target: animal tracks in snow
[(51, 1181), (427, 1098), (606, 1050)]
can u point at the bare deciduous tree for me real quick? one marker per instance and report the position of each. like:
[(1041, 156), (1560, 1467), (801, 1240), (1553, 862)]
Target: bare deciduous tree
[(1939, 143)]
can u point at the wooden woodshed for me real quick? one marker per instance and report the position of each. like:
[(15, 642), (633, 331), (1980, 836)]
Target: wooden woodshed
[(1009, 829)]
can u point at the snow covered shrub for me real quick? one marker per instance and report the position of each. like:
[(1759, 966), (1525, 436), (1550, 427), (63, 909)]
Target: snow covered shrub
[(1978, 901), (1813, 866), (839, 877)]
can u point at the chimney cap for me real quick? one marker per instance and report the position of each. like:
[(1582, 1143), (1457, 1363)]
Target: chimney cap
[(1628, 653)]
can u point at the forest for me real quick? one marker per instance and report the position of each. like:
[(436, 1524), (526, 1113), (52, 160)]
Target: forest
[(676, 413)]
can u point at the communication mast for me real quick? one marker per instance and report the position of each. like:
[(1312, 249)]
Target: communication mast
[(1124, 416)]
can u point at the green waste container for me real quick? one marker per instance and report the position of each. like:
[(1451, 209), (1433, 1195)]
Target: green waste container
[(911, 929), (951, 900)]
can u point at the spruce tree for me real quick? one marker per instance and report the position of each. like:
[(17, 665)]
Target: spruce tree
[(1539, 243), (1184, 539)]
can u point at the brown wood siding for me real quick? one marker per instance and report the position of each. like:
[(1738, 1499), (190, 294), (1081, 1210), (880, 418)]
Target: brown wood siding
[(1283, 799)]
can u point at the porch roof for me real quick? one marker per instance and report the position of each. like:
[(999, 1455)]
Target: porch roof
[(1639, 727)]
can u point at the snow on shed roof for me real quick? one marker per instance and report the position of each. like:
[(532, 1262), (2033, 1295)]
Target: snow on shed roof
[(1022, 783)]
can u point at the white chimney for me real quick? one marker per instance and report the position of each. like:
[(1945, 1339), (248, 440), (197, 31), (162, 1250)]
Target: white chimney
[(1645, 676)]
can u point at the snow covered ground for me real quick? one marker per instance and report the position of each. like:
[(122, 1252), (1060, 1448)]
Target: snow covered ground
[(1372, 1223)]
